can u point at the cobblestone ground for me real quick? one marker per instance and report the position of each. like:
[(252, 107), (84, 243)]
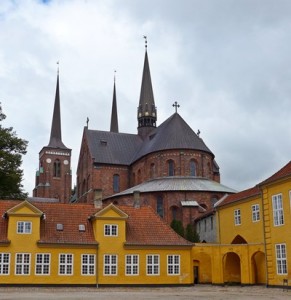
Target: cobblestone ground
[(133, 293)]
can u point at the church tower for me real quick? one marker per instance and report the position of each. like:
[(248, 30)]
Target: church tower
[(146, 111), (54, 179)]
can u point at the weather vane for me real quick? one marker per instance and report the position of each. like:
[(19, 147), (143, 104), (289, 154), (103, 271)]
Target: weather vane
[(87, 121), (114, 75), (146, 41), (58, 63), (176, 105)]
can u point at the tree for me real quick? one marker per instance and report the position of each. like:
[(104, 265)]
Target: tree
[(191, 234), (11, 150), (178, 227)]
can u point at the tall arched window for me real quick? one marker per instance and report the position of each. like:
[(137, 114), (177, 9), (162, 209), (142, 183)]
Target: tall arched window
[(171, 168), (152, 171), (116, 183), (57, 168), (160, 206), (193, 168)]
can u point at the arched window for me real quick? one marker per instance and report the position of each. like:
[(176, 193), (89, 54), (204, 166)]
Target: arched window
[(170, 167), (139, 176), (152, 171), (160, 206), (57, 168), (193, 168), (116, 183)]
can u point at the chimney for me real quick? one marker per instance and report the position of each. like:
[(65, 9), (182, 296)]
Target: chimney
[(98, 198), (136, 199)]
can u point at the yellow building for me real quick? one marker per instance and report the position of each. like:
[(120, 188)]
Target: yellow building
[(72, 244)]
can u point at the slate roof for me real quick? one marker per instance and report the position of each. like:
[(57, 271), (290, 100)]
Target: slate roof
[(177, 183), (144, 226), (283, 172)]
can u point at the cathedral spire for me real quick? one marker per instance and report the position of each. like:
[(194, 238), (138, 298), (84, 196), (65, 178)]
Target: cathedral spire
[(56, 133), (114, 118), (146, 112)]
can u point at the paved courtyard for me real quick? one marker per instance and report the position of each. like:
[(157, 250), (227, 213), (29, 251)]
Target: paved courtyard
[(133, 293)]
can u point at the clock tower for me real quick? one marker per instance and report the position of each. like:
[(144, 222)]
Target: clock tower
[(53, 177)]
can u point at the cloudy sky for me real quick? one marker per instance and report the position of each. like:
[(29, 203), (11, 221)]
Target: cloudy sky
[(226, 62)]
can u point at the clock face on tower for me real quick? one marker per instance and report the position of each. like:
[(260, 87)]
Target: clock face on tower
[(66, 162), (48, 160)]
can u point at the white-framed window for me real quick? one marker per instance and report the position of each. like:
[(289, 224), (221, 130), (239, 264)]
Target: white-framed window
[(255, 212), (24, 227), (110, 230), (290, 198), (173, 264), (42, 263), (110, 264), (153, 264), (237, 217), (88, 264), (22, 264), (132, 264), (66, 264), (4, 263), (278, 214), (281, 259)]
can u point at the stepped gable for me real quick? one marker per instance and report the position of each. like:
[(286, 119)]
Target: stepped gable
[(174, 133), (111, 147), (252, 192), (145, 227), (283, 172)]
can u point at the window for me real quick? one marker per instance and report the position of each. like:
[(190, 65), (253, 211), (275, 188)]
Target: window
[(22, 265), (281, 259), (278, 210), (173, 264), (211, 223), (42, 264), (160, 206), (256, 212), (110, 230), (66, 264), (88, 264), (110, 264), (170, 168), (290, 197), (24, 227), (192, 168), (131, 267), (57, 168), (152, 171), (116, 187), (4, 263), (205, 227), (237, 217), (153, 265)]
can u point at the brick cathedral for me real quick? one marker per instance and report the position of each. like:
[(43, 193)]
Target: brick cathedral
[(167, 167)]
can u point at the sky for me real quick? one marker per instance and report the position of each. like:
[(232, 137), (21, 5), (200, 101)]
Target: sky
[(226, 62)]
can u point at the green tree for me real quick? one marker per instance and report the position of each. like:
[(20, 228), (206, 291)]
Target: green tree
[(178, 227), (11, 150), (191, 234)]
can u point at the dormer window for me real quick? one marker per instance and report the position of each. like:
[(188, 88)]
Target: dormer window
[(24, 227), (110, 230)]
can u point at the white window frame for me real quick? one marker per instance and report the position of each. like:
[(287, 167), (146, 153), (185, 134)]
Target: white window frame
[(132, 264), (110, 230), (88, 264), (66, 264), (237, 217), (110, 263), (281, 259), (255, 212), (173, 264), (22, 264), (153, 264), (4, 263), (278, 211), (24, 227), (42, 264)]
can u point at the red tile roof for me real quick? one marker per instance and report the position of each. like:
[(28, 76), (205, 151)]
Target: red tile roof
[(283, 172), (144, 226), (255, 191)]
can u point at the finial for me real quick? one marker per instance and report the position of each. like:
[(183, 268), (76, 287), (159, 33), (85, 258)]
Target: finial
[(198, 133), (87, 121), (114, 75), (146, 41), (176, 105), (58, 63)]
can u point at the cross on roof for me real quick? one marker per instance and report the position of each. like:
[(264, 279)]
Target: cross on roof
[(176, 105)]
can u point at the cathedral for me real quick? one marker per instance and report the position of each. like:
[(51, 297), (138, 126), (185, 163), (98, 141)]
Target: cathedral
[(166, 166)]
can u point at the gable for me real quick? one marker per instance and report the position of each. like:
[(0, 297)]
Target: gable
[(24, 208), (111, 212)]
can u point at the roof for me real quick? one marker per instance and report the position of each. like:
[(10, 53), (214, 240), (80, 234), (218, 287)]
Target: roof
[(140, 225), (252, 192), (282, 173), (174, 133), (177, 183)]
